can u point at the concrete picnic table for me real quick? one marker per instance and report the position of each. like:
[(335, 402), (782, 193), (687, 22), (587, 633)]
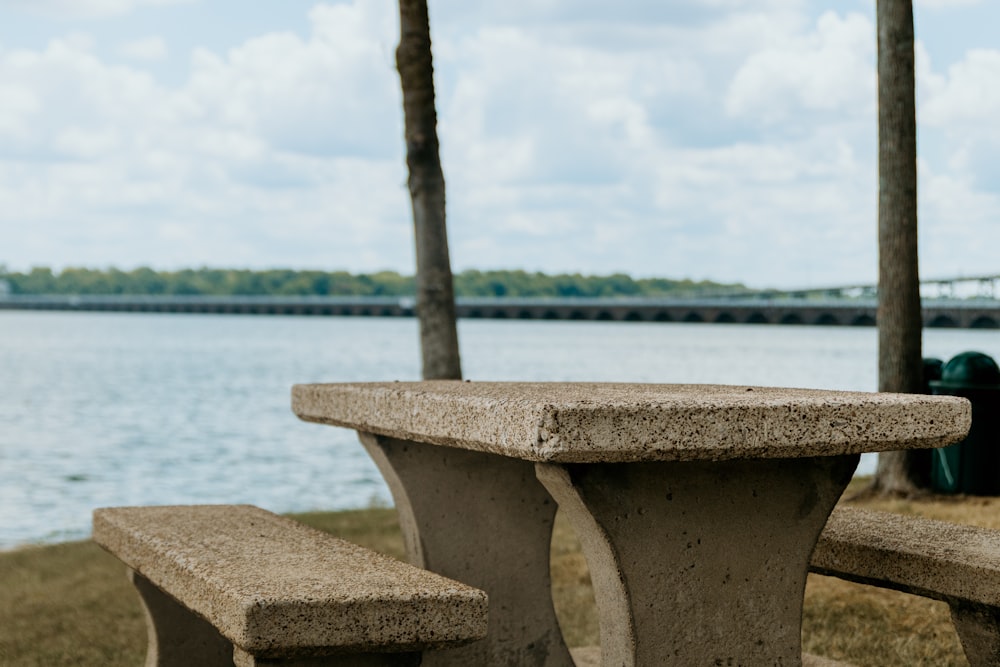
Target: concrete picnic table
[(697, 506)]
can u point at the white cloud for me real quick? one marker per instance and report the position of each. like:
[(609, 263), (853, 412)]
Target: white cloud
[(79, 41), (257, 145), (86, 144), (968, 94), (19, 103), (732, 139), (946, 4), (147, 49), (957, 224), (958, 109), (829, 69), (619, 155), (85, 9), (333, 93)]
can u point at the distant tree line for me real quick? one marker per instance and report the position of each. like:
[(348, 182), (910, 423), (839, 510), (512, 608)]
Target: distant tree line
[(287, 282)]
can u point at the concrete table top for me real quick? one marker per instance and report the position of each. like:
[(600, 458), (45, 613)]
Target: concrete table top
[(604, 422)]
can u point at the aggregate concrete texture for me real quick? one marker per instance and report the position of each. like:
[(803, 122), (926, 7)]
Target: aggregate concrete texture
[(935, 559), (606, 422), (484, 520), (273, 586), (699, 563)]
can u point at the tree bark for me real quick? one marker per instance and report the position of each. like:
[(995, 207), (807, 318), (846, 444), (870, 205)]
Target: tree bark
[(900, 368), (435, 290)]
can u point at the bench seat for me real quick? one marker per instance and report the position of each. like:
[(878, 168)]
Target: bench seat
[(958, 564), (276, 590)]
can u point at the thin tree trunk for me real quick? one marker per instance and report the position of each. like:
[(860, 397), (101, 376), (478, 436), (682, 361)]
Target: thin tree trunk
[(435, 291), (900, 368)]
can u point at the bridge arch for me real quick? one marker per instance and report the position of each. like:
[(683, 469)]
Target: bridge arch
[(724, 317), (499, 314), (550, 315), (663, 316), (633, 316), (863, 321), (984, 322), (827, 320), (790, 318), (758, 317), (578, 315), (525, 315), (943, 322), (604, 316), (693, 317)]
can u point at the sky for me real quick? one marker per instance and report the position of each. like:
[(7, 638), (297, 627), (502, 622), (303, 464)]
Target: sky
[(728, 140)]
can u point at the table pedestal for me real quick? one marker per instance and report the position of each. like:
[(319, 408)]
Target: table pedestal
[(699, 563), (486, 521)]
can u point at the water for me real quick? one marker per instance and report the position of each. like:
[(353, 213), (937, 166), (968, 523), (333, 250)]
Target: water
[(122, 409)]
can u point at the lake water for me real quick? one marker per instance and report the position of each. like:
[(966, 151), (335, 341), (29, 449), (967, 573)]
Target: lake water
[(131, 409)]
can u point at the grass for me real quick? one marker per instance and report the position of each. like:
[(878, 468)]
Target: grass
[(71, 604)]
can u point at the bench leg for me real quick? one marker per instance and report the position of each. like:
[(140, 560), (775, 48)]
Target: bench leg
[(978, 628), (486, 521), (177, 637), (243, 659), (699, 563)]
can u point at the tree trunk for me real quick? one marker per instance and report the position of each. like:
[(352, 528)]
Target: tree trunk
[(435, 291), (900, 368)]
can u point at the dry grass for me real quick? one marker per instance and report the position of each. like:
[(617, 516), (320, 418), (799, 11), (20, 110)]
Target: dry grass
[(68, 604), (872, 627), (71, 604)]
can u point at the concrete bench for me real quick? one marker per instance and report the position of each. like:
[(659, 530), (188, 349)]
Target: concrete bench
[(235, 584), (954, 563)]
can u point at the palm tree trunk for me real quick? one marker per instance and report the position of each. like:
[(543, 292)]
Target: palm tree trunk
[(900, 368), (435, 291)]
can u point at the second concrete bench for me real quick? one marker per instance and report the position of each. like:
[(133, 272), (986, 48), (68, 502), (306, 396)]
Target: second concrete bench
[(225, 584), (958, 564)]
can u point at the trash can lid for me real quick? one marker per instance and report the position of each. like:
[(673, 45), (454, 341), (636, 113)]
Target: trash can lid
[(970, 369)]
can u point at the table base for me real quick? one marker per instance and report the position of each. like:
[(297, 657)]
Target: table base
[(699, 563), (484, 520)]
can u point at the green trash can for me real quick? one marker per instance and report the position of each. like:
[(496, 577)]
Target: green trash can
[(973, 465)]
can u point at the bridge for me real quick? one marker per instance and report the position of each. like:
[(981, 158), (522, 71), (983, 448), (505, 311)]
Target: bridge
[(979, 313), (956, 287)]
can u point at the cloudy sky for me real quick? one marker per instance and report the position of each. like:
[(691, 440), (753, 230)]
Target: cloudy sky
[(732, 140)]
